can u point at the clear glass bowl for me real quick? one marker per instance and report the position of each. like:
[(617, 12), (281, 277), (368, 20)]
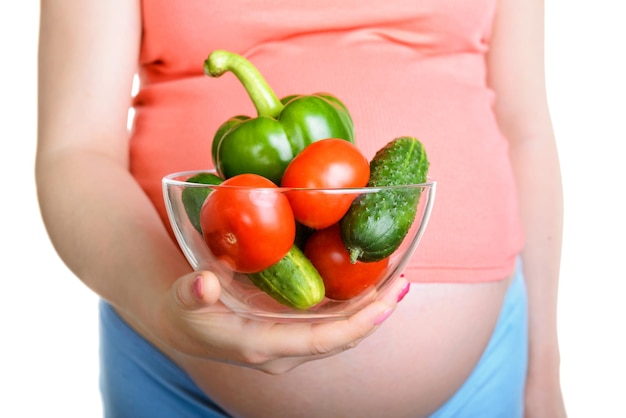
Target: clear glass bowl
[(246, 299)]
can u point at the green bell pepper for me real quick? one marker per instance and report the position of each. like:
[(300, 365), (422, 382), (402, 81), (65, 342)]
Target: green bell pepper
[(266, 144)]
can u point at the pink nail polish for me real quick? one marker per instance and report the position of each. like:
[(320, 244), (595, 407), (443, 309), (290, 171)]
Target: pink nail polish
[(386, 313), (198, 291), (404, 291)]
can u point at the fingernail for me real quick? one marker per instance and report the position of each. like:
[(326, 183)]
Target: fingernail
[(383, 316), (404, 291), (198, 291)]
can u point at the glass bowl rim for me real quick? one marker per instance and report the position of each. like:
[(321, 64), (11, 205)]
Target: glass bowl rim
[(170, 180)]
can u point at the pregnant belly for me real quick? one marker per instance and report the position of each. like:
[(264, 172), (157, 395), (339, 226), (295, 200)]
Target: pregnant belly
[(410, 366)]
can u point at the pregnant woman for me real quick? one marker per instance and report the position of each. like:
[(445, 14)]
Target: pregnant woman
[(476, 334)]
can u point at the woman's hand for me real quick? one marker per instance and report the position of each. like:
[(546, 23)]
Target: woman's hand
[(193, 322)]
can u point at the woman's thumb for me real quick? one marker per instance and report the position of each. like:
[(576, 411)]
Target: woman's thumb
[(197, 290)]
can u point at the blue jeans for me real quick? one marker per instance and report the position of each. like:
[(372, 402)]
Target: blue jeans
[(137, 380)]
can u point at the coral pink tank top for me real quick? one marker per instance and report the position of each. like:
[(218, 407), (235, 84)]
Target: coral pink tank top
[(402, 67)]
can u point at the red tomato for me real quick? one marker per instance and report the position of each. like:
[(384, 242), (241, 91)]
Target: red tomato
[(325, 164), (342, 279), (246, 227)]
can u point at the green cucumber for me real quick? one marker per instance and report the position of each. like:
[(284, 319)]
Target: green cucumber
[(193, 197), (293, 281), (377, 223)]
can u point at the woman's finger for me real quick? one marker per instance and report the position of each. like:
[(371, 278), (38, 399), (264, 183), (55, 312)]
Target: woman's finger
[(196, 290), (320, 339)]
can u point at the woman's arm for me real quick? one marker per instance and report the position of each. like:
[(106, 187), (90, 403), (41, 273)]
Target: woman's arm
[(100, 222), (105, 228), (516, 73)]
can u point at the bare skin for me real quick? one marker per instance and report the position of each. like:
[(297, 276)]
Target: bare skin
[(435, 328), (129, 259)]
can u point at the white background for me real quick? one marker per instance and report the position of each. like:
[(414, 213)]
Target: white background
[(48, 327)]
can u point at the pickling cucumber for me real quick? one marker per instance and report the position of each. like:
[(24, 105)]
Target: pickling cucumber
[(377, 223), (293, 281), (193, 197)]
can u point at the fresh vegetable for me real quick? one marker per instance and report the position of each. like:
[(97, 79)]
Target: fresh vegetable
[(293, 281), (194, 197), (326, 164), (376, 223), (343, 279), (266, 144), (249, 227)]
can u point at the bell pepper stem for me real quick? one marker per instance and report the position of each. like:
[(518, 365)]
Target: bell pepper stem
[(355, 253), (261, 94)]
